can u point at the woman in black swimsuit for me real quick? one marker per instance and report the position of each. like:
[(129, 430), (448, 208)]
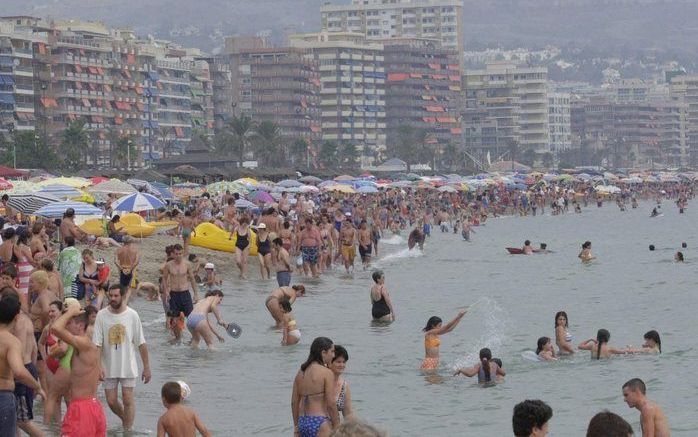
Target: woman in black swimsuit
[(242, 245), (382, 310), (264, 251)]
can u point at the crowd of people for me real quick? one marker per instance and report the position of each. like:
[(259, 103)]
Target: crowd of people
[(66, 328)]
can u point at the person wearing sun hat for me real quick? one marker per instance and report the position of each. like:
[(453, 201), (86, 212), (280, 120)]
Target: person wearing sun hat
[(211, 280)]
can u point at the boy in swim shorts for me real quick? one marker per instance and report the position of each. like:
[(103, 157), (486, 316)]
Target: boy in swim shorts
[(178, 419)]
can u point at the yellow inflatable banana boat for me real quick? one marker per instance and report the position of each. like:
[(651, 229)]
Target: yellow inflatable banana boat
[(212, 237)]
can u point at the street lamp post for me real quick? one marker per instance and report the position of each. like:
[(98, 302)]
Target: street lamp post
[(10, 130), (128, 154)]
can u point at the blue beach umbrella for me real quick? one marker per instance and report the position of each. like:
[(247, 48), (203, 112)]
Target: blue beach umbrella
[(137, 202), (367, 189), (57, 209), (60, 191)]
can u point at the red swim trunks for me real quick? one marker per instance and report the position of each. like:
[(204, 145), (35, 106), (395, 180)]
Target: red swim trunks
[(84, 418)]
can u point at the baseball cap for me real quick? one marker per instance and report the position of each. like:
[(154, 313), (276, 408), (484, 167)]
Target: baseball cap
[(261, 226), (209, 266)]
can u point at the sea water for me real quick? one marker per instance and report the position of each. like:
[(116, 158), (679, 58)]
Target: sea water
[(244, 387)]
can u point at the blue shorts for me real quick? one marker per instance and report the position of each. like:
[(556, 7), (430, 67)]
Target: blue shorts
[(180, 302), (283, 278), (24, 397), (310, 254), (8, 413)]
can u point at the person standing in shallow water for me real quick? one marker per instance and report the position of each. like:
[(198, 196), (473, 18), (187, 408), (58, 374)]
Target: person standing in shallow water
[(382, 307), (585, 255), (432, 331), (313, 399)]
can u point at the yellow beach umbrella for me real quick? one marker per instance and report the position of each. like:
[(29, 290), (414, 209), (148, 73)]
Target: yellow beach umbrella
[(74, 182), (84, 197), (342, 188)]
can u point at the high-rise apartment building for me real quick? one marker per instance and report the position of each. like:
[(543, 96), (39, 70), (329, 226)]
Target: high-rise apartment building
[(631, 134), (423, 88), (17, 74), (684, 90), (352, 92), (277, 84), (381, 19), (559, 121), (505, 106)]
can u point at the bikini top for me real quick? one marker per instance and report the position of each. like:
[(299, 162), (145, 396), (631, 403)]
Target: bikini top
[(431, 342), (341, 398)]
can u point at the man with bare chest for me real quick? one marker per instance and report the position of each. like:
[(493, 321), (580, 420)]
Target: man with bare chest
[(176, 278), (365, 243), (85, 416), (652, 419)]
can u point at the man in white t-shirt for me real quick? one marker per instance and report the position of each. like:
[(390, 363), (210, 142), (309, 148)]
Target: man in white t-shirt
[(117, 333)]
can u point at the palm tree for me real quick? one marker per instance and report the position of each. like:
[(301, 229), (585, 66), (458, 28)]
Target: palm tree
[(411, 145), (268, 141), (299, 150), (242, 130), (348, 155), (124, 152), (75, 143), (328, 153)]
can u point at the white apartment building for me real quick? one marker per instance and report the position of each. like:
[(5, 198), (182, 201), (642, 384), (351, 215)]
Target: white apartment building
[(352, 89), (381, 19), (559, 121)]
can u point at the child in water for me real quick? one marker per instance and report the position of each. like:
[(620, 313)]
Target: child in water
[(178, 419)]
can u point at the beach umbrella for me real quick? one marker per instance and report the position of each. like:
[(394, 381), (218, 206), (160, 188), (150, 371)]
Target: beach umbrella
[(187, 189), (245, 204), (341, 189), (140, 184), (57, 209), (261, 196), (137, 202), (163, 191), (308, 189), (310, 179), (223, 186), (74, 182), (247, 181), (5, 184), (447, 189), (289, 183), (367, 189), (112, 186), (84, 197), (28, 202), (98, 180), (60, 191), (344, 177)]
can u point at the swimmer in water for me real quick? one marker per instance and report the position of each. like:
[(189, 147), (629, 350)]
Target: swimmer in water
[(563, 338), (599, 348), (486, 370), (527, 249), (679, 257), (652, 344), (545, 350), (543, 248), (585, 255), (654, 213), (432, 331)]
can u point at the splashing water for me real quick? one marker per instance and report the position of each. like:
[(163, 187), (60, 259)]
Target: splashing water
[(393, 240), (401, 254), (485, 312)]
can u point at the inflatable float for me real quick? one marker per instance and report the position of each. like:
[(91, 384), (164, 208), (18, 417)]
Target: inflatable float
[(212, 237), (515, 250), (133, 224)]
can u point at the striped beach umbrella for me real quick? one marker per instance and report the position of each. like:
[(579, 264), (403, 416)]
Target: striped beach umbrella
[(60, 191), (57, 209), (137, 202), (28, 202)]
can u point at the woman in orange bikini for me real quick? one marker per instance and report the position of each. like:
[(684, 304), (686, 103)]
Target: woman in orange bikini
[(434, 328)]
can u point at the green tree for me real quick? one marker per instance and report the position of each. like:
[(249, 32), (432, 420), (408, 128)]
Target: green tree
[(411, 146), (298, 151), (75, 145), (31, 151), (242, 131), (529, 157), (348, 155), (449, 156), (547, 160), (269, 143), (124, 152), (328, 154)]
